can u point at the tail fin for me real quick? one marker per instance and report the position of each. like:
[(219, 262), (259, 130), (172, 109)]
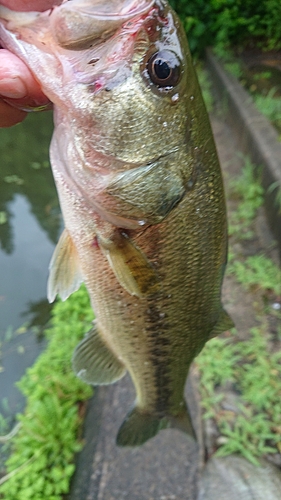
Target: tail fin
[(139, 426)]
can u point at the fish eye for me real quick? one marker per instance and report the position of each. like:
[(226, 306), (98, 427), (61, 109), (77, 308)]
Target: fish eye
[(164, 68)]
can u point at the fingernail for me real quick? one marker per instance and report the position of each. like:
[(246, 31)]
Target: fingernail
[(13, 88)]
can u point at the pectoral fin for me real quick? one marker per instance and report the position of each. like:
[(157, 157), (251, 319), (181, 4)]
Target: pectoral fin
[(223, 324), (130, 266), (65, 275), (94, 362)]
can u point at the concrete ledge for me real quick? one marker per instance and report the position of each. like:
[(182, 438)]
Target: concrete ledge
[(257, 138)]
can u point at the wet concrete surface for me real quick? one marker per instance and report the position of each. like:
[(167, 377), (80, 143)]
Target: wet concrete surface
[(167, 467)]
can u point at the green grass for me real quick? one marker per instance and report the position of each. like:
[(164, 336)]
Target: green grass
[(247, 190), (270, 106), (252, 428), (234, 68), (41, 462), (257, 272)]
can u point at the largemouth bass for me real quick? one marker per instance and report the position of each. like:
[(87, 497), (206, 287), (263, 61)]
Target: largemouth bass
[(141, 193)]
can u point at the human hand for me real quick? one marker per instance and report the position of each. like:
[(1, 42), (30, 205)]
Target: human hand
[(18, 87)]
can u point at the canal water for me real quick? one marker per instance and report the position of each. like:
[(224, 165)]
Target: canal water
[(30, 224)]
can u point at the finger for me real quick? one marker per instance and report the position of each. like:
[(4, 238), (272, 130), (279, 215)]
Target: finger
[(9, 115), (17, 82)]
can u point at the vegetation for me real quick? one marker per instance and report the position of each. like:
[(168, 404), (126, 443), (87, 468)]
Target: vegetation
[(270, 106), (241, 379), (230, 22), (250, 425), (257, 272), (41, 463), (247, 190), (267, 98)]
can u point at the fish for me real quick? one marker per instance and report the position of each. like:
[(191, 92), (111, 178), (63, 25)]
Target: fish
[(141, 193)]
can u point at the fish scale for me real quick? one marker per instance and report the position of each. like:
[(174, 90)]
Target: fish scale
[(141, 194)]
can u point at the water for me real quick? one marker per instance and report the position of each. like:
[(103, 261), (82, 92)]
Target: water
[(30, 224)]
